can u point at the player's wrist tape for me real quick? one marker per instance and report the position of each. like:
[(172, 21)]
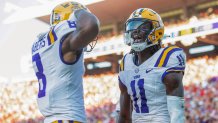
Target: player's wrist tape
[(175, 106)]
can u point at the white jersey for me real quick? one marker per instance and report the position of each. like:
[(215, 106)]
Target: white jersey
[(60, 94), (145, 83)]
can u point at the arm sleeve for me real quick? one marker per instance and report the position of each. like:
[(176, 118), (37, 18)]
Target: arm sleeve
[(175, 107)]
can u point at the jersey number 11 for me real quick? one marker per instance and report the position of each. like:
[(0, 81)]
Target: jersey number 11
[(144, 106)]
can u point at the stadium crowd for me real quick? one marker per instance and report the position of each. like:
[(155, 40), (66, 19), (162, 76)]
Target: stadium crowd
[(207, 14), (202, 102), (200, 69), (18, 103)]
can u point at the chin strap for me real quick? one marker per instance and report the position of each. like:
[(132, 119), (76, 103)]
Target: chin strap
[(92, 45)]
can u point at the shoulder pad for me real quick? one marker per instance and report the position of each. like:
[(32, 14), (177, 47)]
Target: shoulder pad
[(52, 36), (60, 30), (166, 54)]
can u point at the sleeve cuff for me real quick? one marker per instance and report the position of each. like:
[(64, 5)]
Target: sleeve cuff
[(172, 69)]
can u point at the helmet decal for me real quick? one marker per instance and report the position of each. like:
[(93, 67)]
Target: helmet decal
[(63, 11)]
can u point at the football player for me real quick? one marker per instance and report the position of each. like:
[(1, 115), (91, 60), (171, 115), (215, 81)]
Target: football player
[(57, 58), (150, 77)]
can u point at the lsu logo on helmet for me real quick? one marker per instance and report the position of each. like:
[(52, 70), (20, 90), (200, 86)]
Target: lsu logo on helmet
[(63, 11)]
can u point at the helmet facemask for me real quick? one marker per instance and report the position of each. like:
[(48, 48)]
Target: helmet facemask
[(151, 37), (139, 34)]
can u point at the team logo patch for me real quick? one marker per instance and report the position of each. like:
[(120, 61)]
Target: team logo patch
[(149, 70), (136, 70)]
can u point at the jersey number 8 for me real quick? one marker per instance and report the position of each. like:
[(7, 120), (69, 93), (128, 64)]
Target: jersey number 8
[(41, 77)]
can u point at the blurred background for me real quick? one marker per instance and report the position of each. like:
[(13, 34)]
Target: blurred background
[(189, 24)]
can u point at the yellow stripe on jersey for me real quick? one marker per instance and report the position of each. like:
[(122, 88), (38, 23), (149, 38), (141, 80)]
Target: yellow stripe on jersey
[(55, 121), (164, 55), (122, 65), (52, 37), (75, 122), (174, 70), (121, 68)]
